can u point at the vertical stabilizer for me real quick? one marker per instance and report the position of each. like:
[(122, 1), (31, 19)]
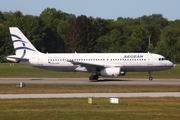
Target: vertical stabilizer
[(22, 45)]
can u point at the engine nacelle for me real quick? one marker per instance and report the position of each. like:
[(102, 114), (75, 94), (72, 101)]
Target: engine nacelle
[(112, 72)]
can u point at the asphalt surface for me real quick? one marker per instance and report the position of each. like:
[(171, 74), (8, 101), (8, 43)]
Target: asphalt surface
[(87, 95), (85, 81)]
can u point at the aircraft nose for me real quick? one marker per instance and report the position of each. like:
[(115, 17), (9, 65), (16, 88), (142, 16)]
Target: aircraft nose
[(170, 64)]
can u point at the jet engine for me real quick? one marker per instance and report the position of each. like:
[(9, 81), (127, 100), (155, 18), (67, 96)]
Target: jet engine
[(111, 72)]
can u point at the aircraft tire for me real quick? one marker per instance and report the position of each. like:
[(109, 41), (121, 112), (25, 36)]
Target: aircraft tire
[(91, 78), (150, 78), (95, 77)]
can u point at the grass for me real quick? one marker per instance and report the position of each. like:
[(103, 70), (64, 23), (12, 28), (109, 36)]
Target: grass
[(79, 109), (21, 71)]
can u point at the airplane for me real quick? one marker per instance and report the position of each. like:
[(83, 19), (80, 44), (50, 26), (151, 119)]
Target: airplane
[(98, 64)]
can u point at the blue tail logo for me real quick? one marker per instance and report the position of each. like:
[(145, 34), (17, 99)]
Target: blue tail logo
[(23, 47)]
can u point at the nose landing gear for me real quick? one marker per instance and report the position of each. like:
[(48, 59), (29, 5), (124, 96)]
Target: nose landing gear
[(150, 77)]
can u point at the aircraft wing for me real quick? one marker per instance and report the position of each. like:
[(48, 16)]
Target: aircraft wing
[(92, 66)]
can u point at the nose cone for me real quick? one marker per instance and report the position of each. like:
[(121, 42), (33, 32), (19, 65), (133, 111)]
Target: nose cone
[(170, 64)]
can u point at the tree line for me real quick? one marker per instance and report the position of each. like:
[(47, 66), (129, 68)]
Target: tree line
[(54, 31)]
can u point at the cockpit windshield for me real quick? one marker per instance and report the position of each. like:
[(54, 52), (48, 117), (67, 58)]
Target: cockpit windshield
[(162, 59)]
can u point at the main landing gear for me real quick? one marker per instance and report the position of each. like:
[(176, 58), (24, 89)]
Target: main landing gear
[(150, 77), (93, 77)]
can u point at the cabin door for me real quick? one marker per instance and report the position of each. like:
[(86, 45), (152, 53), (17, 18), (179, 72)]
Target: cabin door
[(150, 59), (40, 60)]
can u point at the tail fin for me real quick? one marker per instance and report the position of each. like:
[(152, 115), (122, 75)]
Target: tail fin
[(22, 45)]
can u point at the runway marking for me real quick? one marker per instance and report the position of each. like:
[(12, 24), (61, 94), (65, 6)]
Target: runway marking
[(86, 95)]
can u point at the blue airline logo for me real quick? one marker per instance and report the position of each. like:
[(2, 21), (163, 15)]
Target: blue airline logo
[(23, 47), (133, 56)]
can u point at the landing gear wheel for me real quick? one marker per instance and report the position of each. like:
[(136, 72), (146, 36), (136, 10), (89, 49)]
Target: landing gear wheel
[(150, 78), (93, 77)]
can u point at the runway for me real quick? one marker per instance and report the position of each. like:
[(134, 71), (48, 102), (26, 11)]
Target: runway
[(85, 81), (87, 95)]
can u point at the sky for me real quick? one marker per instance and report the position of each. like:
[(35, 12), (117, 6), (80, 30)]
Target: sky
[(106, 9)]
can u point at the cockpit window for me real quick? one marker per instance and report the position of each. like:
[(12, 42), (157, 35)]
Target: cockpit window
[(162, 59)]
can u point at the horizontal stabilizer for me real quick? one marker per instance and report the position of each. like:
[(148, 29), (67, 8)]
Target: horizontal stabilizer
[(15, 58)]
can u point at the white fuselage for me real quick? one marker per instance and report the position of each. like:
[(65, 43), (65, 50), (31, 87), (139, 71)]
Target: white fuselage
[(126, 61)]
